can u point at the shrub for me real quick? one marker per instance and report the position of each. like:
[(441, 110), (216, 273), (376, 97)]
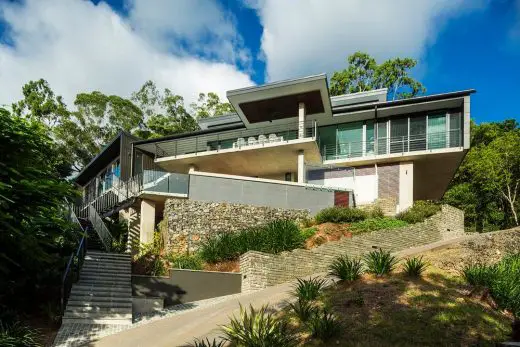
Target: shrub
[(376, 212), (303, 309), (185, 261), (308, 232), (415, 266), (274, 237), (380, 262), (346, 269), (478, 274), (419, 212), (309, 289), (259, 328), (324, 325), (505, 284), (338, 214), (208, 343), (373, 224), (18, 335)]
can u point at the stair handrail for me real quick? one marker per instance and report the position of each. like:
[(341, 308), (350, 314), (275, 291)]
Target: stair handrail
[(99, 226)]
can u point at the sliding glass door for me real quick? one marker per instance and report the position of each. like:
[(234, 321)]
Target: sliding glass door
[(417, 133), (436, 131), (399, 135), (350, 139)]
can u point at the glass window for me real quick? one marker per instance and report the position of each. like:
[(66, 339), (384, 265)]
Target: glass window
[(417, 133), (350, 139), (398, 135), (436, 131), (369, 124), (382, 137), (138, 163), (455, 134), (327, 137)]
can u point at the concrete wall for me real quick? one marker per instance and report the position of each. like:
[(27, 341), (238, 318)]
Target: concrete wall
[(257, 193), (405, 186), (184, 286), (260, 270)]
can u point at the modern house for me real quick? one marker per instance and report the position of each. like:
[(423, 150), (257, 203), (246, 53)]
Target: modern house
[(289, 145)]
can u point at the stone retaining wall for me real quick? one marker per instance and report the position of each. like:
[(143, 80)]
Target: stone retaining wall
[(190, 222), (261, 270)]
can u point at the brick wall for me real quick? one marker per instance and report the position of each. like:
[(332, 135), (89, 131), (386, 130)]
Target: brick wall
[(190, 222), (260, 270)]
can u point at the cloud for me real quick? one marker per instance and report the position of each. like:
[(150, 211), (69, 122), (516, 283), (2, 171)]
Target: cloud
[(78, 46), (314, 36)]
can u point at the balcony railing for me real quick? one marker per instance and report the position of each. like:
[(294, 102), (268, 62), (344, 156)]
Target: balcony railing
[(236, 139), (392, 145)]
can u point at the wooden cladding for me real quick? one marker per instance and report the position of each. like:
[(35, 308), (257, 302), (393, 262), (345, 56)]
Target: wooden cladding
[(341, 199)]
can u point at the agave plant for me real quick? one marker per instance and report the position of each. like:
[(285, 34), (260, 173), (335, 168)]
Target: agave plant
[(478, 274), (208, 343), (346, 269), (259, 328), (415, 266), (303, 309), (380, 262), (308, 289), (18, 335), (324, 325)]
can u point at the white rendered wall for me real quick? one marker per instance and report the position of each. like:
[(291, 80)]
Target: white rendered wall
[(365, 187), (405, 185)]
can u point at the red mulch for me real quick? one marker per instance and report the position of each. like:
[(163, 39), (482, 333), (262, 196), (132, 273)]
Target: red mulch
[(225, 266)]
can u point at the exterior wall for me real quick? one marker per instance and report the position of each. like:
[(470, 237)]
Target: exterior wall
[(125, 156), (260, 270), (147, 221), (405, 186), (388, 181), (256, 193), (184, 286), (190, 222)]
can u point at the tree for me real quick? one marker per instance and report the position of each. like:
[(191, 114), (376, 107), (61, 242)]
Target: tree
[(210, 106), (165, 113), (364, 74)]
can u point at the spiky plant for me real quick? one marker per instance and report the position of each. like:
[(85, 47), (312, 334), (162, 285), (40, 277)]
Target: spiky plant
[(324, 325), (346, 269), (309, 289), (414, 267), (208, 343), (303, 309), (380, 262), (18, 335)]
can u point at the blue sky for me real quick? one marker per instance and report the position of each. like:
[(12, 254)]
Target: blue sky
[(193, 46)]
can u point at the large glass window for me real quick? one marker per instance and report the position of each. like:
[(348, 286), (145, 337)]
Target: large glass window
[(455, 134), (417, 133), (369, 142), (382, 138), (350, 139), (398, 135), (436, 131), (328, 143)]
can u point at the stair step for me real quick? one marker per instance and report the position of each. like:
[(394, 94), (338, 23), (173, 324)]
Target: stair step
[(99, 289), (100, 265), (119, 298), (98, 282), (109, 254), (97, 320), (107, 259), (83, 312), (106, 274), (101, 306)]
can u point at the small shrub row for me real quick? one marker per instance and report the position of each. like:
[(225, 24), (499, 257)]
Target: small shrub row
[(339, 214), (419, 211), (185, 261), (274, 237), (372, 224)]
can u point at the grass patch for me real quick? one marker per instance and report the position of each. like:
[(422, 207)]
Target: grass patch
[(274, 237), (308, 232), (339, 214), (185, 261), (372, 224), (419, 212)]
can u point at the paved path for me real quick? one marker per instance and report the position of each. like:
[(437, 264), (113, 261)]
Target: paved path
[(180, 330)]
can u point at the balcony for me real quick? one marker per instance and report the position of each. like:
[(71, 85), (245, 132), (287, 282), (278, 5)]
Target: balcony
[(256, 151), (396, 146)]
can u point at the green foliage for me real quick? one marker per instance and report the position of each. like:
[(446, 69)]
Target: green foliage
[(364, 74), (210, 106), (303, 309), (414, 267), (18, 335), (309, 289), (274, 237), (478, 274), (324, 325), (505, 288), (346, 269), (376, 212), (380, 262), (419, 211), (150, 259), (308, 232), (339, 214), (185, 261), (119, 231), (208, 343), (259, 328), (372, 224)]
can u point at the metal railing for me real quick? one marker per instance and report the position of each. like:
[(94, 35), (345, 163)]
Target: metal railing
[(165, 182), (100, 227), (392, 145), (236, 139)]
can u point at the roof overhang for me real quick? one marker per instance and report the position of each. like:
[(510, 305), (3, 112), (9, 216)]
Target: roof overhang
[(278, 102)]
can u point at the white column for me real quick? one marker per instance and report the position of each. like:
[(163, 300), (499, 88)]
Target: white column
[(193, 168), (405, 185), (301, 167), (147, 221), (301, 120)]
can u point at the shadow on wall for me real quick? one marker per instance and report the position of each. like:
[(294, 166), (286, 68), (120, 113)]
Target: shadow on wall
[(184, 286)]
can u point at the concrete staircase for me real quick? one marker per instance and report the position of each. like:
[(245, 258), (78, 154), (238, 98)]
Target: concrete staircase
[(103, 294)]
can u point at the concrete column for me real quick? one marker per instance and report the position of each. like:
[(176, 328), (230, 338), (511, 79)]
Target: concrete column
[(301, 167), (147, 221), (466, 122), (405, 185), (301, 120), (192, 168), (133, 218)]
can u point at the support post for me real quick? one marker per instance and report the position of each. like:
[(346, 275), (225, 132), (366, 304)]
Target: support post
[(301, 120), (301, 167), (147, 221)]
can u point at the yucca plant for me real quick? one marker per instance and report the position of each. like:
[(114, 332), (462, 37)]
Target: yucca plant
[(324, 325), (414, 267), (478, 274), (346, 269), (259, 328), (308, 289), (208, 343), (380, 262), (18, 335), (303, 309)]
